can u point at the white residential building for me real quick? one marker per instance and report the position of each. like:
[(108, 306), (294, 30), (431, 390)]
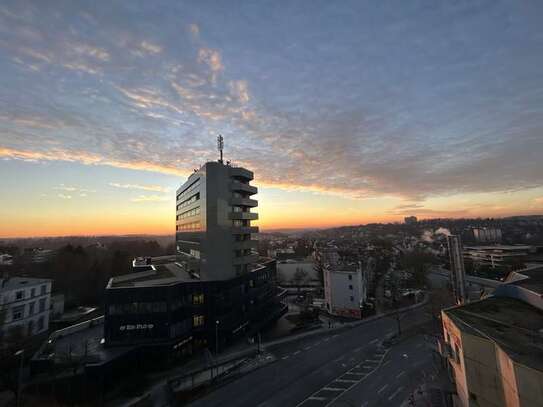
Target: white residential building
[(345, 290), (24, 306), (6, 260)]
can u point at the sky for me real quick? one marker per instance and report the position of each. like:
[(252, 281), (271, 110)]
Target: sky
[(348, 112)]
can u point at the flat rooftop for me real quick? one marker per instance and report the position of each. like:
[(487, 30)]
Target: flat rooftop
[(514, 325), (165, 271), (500, 247), (162, 274), (13, 283), (530, 278)]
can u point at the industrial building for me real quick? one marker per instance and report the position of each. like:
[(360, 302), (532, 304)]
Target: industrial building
[(458, 273), (487, 235), (494, 348), (497, 255)]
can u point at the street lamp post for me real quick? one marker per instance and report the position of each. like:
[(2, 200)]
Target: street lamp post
[(217, 322), (21, 354)]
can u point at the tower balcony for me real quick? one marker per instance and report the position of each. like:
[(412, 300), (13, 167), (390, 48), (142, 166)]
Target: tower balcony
[(241, 187), (246, 244), (244, 230), (239, 172), (234, 201), (243, 216), (248, 259)]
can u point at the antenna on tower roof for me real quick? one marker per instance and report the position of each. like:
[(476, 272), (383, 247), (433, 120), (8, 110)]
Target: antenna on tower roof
[(220, 146)]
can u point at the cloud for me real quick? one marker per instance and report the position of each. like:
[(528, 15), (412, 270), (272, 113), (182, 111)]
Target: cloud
[(94, 52), (147, 48), (428, 117), (62, 187), (240, 90), (87, 159), (63, 196), (194, 29), (539, 200), (150, 198), (212, 58), (155, 188)]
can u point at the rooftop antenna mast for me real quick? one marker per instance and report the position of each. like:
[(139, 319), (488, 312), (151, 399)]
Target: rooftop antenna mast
[(220, 146)]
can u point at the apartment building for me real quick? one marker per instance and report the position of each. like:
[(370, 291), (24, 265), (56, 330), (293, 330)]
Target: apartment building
[(24, 307), (213, 222), (345, 290)]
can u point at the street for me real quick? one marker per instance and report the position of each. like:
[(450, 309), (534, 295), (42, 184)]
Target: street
[(350, 367)]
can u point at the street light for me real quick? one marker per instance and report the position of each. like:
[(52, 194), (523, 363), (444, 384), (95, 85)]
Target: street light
[(217, 322), (20, 353)]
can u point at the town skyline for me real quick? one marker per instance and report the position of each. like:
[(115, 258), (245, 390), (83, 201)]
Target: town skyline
[(347, 113)]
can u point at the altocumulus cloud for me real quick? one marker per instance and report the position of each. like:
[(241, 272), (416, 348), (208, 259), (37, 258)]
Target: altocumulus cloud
[(347, 98)]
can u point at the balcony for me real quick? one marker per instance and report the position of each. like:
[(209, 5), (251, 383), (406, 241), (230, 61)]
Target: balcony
[(250, 258), (239, 172), (244, 230), (234, 201), (243, 216), (246, 244), (241, 187)]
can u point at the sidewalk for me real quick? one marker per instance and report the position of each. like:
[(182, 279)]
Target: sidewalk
[(160, 393), (343, 326)]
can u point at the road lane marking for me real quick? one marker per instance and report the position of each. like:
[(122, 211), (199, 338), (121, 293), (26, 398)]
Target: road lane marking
[(386, 363), (347, 382), (298, 351), (374, 341), (382, 389), (326, 339), (358, 349), (400, 374), (307, 348), (285, 357), (395, 393), (333, 336), (333, 389), (339, 359)]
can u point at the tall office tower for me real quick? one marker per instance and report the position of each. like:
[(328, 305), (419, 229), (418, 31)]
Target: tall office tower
[(458, 274), (213, 222)]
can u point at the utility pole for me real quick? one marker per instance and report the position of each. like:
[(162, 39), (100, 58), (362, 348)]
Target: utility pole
[(217, 322), (21, 354)]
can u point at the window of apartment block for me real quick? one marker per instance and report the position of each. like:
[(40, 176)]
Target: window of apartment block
[(18, 312), (42, 305), (352, 298), (40, 323), (350, 286), (19, 295), (31, 307), (43, 288), (198, 320), (33, 292), (350, 277), (197, 299)]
